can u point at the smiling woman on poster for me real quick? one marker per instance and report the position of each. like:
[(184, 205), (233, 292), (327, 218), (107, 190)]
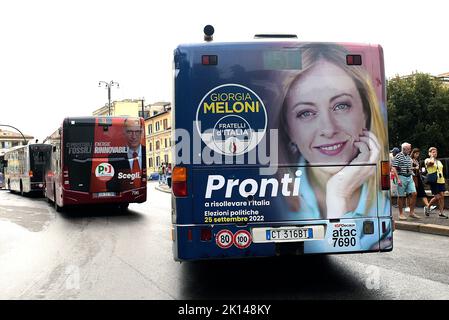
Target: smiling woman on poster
[(331, 123)]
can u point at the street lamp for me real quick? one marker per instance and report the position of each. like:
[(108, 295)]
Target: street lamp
[(6, 125), (108, 86)]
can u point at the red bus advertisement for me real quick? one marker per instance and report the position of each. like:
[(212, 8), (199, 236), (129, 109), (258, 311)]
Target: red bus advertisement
[(97, 160)]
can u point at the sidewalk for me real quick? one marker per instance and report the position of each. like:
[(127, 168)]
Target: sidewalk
[(432, 224), (163, 187)]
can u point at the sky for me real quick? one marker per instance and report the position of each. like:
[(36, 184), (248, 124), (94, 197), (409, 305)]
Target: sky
[(54, 53)]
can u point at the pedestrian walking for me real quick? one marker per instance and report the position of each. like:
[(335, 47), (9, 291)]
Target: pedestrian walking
[(402, 168), (419, 185), (436, 180), (393, 177)]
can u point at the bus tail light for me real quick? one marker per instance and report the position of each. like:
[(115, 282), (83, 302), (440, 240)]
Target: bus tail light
[(368, 227), (206, 234), (189, 235), (209, 60), (144, 176), (179, 181), (65, 177), (385, 175), (354, 60), (30, 173)]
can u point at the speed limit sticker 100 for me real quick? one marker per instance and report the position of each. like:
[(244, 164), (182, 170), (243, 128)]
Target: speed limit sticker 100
[(242, 239)]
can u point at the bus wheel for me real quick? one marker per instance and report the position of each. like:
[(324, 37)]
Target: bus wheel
[(46, 196), (123, 207), (57, 208)]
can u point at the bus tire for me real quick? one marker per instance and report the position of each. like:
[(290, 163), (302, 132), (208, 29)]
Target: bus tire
[(123, 207), (57, 208), (46, 195)]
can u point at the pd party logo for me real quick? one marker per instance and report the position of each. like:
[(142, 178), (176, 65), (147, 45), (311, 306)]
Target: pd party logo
[(231, 119), (104, 171)]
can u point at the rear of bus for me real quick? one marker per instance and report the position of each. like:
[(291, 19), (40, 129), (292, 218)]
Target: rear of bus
[(281, 149), (103, 161), (39, 157)]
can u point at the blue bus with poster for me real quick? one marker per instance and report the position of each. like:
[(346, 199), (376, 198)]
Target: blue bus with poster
[(281, 148)]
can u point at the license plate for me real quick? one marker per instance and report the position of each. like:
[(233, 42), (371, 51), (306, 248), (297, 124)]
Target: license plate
[(105, 194), (287, 234)]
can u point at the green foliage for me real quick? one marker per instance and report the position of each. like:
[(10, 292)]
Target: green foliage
[(418, 112)]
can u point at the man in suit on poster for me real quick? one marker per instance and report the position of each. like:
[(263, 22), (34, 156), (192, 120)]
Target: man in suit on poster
[(129, 165)]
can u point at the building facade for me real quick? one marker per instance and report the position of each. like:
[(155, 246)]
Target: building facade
[(444, 77), (158, 130), (126, 107), (10, 139)]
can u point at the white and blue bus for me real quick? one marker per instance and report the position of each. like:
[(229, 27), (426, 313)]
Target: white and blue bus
[(24, 167), (281, 149)]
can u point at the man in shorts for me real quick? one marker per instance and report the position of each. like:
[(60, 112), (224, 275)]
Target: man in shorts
[(402, 167)]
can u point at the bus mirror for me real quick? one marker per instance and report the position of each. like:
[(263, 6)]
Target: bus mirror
[(4, 163), (54, 148), (208, 33)]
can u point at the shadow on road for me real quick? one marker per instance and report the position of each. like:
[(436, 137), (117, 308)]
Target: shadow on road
[(301, 277), (31, 195), (99, 211)]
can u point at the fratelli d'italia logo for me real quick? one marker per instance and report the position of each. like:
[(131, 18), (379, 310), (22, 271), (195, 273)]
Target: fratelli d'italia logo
[(231, 119)]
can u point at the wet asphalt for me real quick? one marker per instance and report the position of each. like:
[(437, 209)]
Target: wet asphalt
[(102, 253)]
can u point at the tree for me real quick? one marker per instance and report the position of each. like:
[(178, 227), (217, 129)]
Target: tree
[(418, 112)]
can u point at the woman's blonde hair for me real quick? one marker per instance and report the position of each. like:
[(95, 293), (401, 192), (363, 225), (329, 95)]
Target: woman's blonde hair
[(335, 54)]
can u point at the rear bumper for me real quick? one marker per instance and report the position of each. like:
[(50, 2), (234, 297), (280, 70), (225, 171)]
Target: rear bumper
[(381, 240), (131, 196), (36, 186)]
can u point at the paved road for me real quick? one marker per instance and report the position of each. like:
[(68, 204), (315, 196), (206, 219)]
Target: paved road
[(103, 254)]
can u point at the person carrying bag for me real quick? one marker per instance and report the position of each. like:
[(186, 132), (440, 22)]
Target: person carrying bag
[(418, 179), (436, 180)]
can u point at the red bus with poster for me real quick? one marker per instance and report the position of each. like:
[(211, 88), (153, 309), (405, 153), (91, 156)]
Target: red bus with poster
[(97, 160)]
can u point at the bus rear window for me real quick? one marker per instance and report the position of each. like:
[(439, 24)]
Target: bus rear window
[(282, 60), (40, 157)]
